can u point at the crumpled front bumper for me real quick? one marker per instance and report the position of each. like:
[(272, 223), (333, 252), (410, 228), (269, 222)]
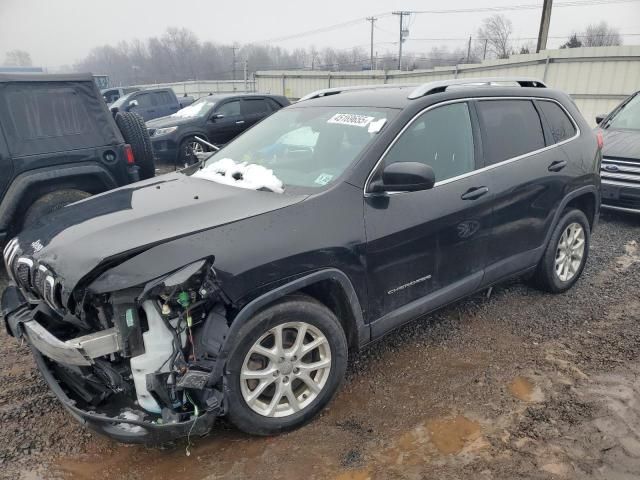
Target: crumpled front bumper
[(19, 322)]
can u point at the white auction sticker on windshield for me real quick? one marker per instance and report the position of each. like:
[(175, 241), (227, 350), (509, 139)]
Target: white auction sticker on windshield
[(351, 119), (323, 179)]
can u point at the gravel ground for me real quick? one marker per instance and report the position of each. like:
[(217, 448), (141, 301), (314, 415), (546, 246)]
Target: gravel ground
[(518, 384)]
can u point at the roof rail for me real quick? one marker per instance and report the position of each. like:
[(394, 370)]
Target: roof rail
[(325, 92), (441, 85)]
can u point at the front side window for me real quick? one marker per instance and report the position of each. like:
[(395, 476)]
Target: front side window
[(511, 128), (230, 109), (307, 147), (441, 138), (628, 117), (145, 100), (562, 128)]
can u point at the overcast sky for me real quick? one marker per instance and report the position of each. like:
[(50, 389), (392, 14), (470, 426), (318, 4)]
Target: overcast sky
[(60, 32)]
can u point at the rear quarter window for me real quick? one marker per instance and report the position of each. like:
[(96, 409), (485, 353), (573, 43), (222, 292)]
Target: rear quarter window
[(561, 126), (510, 128)]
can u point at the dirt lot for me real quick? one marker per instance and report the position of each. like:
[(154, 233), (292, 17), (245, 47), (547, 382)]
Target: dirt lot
[(516, 385)]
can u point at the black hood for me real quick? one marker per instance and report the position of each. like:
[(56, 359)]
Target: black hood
[(621, 144), (76, 239), (172, 121)]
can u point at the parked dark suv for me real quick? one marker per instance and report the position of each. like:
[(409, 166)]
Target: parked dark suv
[(237, 287), (151, 103), (59, 144), (620, 170), (215, 118)]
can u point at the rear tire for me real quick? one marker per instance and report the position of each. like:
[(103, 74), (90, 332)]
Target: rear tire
[(300, 378), (50, 203), (135, 133), (566, 254)]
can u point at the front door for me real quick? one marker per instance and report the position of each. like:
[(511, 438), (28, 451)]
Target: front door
[(428, 247), (226, 122)]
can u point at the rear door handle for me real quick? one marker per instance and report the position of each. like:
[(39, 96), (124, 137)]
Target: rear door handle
[(557, 165), (240, 122), (474, 193)]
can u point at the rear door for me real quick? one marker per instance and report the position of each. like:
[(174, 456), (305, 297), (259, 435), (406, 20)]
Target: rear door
[(530, 173), (429, 247), (226, 122), (254, 110)]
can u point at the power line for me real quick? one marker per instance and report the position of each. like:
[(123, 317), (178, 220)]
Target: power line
[(531, 6)]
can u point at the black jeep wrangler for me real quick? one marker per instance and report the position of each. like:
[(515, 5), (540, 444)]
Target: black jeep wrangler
[(59, 143), (236, 287)]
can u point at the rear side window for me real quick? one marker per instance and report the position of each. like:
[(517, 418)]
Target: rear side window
[(48, 113), (562, 128), (441, 138), (252, 106), (511, 128), (275, 106), (54, 117)]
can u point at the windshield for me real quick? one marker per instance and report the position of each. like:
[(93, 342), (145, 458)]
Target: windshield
[(303, 147), (628, 117), (198, 108)]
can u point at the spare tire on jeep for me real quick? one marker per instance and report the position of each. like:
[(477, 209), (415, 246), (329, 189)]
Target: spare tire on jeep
[(135, 134)]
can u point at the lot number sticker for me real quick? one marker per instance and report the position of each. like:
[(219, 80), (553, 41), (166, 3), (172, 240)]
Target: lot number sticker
[(351, 119)]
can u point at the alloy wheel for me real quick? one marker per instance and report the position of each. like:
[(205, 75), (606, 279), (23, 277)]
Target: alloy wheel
[(286, 369), (570, 252)]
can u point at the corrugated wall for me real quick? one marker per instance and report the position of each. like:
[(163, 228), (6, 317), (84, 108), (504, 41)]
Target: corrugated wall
[(597, 78), (203, 88)]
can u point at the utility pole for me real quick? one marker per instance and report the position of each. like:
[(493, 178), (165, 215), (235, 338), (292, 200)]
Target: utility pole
[(372, 20), (469, 49), (545, 20), (246, 64), (233, 52), (403, 33), (484, 54)]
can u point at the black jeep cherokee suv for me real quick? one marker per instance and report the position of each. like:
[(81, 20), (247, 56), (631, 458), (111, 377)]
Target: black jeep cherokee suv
[(237, 287), (59, 143)]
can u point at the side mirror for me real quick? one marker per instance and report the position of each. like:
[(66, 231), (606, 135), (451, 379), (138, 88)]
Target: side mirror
[(114, 110), (131, 104), (405, 177), (600, 118)]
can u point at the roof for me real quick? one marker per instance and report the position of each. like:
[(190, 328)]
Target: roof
[(45, 77), (400, 96)]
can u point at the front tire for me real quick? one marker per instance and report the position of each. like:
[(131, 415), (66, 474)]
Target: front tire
[(189, 147), (566, 254), (288, 362)]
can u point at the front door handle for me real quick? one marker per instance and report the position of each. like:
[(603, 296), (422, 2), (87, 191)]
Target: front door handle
[(474, 193), (557, 165), (240, 122)]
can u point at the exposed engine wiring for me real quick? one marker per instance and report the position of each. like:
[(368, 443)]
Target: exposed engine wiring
[(196, 413)]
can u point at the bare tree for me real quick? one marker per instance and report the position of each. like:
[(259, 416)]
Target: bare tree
[(496, 30), (18, 58), (601, 35)]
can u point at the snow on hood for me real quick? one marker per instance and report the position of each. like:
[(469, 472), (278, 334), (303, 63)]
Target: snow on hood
[(243, 175)]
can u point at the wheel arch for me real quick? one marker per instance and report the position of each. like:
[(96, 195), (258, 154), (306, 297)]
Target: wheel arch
[(330, 286), (29, 186), (586, 197)]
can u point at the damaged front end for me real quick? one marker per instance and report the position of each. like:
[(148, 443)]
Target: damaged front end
[(138, 364)]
